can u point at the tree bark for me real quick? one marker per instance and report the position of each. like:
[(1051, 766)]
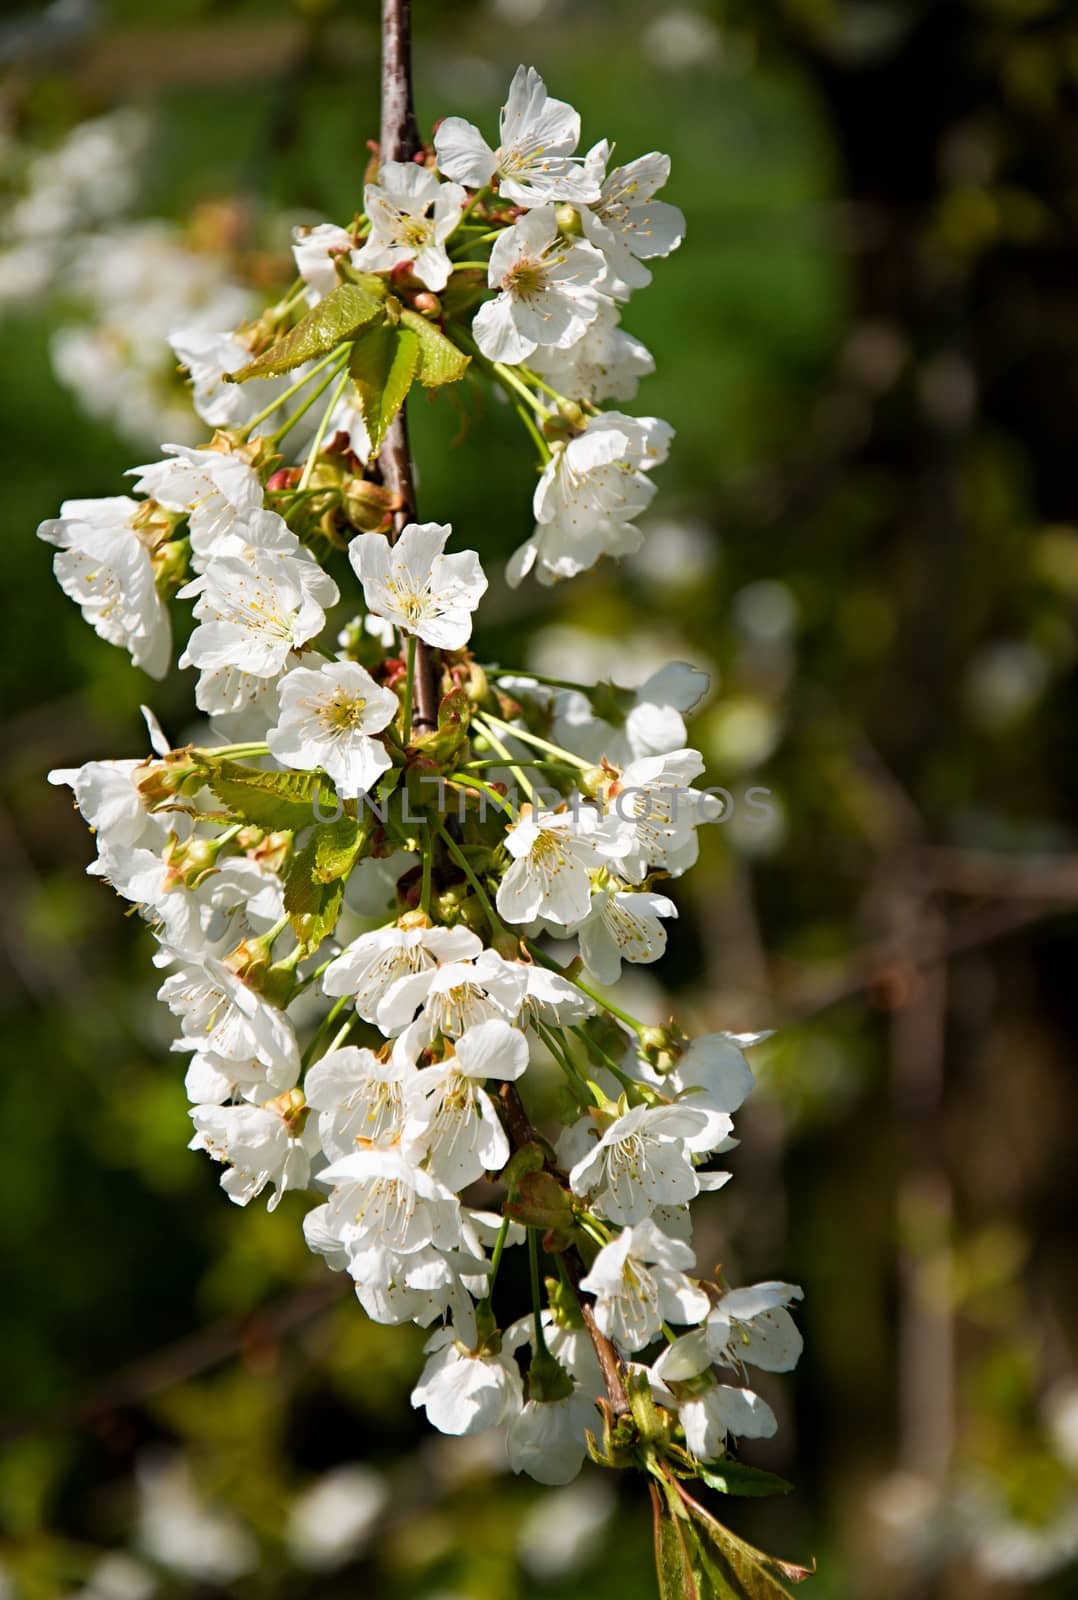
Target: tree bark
[(399, 141)]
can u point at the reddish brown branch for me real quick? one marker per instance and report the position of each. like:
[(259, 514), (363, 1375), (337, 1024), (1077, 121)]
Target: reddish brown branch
[(399, 142)]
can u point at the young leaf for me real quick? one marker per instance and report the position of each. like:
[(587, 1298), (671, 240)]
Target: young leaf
[(383, 364), (277, 801), (732, 1569), (673, 1558), (439, 359), (336, 848), (333, 321), (313, 905), (734, 1477)]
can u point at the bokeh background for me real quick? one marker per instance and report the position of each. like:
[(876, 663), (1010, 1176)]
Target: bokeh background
[(868, 532)]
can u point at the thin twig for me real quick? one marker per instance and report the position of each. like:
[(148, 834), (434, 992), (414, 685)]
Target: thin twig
[(399, 142)]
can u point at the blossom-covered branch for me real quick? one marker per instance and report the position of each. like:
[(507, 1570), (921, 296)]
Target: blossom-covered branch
[(391, 883)]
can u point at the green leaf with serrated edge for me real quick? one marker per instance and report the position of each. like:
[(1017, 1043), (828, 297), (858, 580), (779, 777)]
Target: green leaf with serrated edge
[(336, 848), (734, 1477), (383, 364), (673, 1560), (277, 801), (732, 1569), (440, 361), (333, 321), (312, 906)]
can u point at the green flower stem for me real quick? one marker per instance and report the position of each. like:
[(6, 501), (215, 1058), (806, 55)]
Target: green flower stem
[(463, 863), (525, 783), (585, 988), (300, 383), (509, 380), (537, 1297), (468, 781), (323, 1029), (496, 761), (541, 677), (409, 690), (533, 739), (290, 422), (596, 1050), (316, 442), (496, 1261), (537, 438), (565, 1061), (231, 752)]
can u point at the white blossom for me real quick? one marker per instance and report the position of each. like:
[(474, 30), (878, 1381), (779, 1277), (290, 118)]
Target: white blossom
[(416, 587), (381, 1199), (252, 615), (401, 229), (314, 250), (104, 566), (534, 161), (211, 487), (547, 290), (369, 967), (451, 1117), (328, 716), (451, 998), (605, 363), (591, 491), (259, 1144), (753, 1327), (626, 223), (554, 853), (712, 1076), (219, 1013), (638, 1281), (640, 1162), (720, 1413), (210, 356), (466, 1391), (623, 925), (652, 722), (655, 795), (359, 1097)]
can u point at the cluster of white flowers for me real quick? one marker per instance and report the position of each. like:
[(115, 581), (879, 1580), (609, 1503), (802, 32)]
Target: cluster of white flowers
[(384, 1068)]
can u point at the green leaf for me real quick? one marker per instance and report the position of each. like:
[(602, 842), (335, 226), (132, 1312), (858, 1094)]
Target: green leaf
[(277, 801), (312, 905), (333, 321), (440, 361), (673, 1557), (336, 848), (730, 1568), (383, 364), (734, 1477)]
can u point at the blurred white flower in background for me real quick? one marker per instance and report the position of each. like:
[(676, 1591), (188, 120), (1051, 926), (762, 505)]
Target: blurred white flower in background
[(331, 1521), (681, 38), (564, 1529), (115, 1577), (177, 1528), (138, 283)]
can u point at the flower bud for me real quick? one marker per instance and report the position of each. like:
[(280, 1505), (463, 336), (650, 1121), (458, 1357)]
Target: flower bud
[(163, 778), (291, 1107), (283, 478), (427, 304), (569, 221), (189, 863), (368, 506)]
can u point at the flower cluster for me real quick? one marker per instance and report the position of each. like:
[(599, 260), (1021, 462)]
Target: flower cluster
[(375, 929)]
